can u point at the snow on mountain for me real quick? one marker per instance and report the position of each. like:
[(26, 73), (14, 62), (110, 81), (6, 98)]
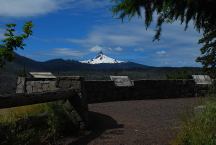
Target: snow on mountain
[(102, 58)]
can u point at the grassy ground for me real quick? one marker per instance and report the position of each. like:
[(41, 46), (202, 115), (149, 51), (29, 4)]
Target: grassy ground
[(200, 129), (34, 124)]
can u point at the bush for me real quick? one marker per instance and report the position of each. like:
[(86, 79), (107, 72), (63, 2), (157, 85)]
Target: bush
[(200, 129), (34, 124), (212, 90)]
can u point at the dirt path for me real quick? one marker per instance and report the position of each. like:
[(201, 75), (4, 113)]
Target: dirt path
[(143, 122)]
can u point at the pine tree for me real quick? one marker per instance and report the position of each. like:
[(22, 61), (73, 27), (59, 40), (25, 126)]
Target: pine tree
[(201, 12)]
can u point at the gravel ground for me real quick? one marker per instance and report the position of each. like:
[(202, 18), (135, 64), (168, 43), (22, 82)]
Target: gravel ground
[(141, 122)]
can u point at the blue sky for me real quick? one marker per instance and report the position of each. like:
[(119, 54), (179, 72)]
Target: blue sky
[(78, 29)]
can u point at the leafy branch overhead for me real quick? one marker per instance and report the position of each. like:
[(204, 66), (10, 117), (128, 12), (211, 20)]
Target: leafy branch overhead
[(201, 12), (12, 41)]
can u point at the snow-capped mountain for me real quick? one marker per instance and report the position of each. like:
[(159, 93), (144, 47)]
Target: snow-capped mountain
[(102, 58)]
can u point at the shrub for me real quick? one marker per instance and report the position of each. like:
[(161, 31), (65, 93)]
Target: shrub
[(200, 129), (34, 124), (212, 90)]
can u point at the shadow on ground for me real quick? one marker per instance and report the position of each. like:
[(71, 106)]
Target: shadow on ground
[(98, 124)]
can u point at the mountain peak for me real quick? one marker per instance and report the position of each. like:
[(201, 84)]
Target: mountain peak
[(101, 58), (100, 53)]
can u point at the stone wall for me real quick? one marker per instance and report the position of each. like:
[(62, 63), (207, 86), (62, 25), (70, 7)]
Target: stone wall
[(30, 85), (103, 91), (76, 105), (65, 82), (40, 86), (34, 85)]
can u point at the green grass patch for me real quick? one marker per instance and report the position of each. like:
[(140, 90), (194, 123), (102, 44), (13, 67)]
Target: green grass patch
[(200, 129), (35, 124)]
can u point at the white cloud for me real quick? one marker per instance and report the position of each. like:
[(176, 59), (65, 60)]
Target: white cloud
[(66, 52), (140, 49), (161, 53), (176, 47), (116, 35), (96, 49), (135, 35), (109, 49), (118, 49), (90, 4), (26, 8)]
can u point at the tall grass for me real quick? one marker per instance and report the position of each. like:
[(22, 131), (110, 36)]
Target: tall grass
[(199, 129), (34, 124)]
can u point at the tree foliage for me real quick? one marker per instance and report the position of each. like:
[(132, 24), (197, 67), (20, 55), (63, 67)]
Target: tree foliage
[(201, 12), (12, 41)]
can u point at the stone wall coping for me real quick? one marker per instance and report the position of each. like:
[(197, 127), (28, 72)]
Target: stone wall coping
[(39, 79), (144, 80), (53, 79), (70, 77)]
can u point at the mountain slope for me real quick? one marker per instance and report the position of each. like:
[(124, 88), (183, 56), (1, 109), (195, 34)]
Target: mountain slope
[(60, 65), (8, 74)]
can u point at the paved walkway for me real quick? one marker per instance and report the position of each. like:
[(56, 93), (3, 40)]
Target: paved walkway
[(142, 122)]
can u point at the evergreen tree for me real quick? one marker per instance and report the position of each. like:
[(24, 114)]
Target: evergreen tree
[(201, 12)]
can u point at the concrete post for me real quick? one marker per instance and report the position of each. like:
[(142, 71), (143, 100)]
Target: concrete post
[(78, 102)]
